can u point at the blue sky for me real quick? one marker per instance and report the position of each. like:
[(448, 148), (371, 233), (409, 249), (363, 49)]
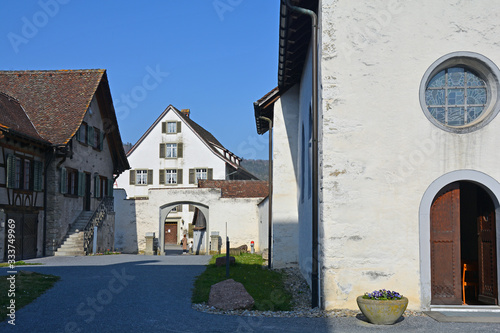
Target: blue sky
[(215, 57)]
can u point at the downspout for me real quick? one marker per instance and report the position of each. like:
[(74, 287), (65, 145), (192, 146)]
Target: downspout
[(315, 150), (270, 203)]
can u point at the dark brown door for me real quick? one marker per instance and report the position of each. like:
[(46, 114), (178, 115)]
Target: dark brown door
[(25, 241), (171, 233), (86, 198), (445, 247), (488, 289)]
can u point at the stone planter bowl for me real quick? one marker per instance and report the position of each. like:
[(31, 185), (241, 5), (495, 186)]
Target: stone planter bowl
[(382, 312)]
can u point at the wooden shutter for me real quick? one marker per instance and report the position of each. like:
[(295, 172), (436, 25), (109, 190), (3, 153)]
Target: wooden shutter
[(179, 208), (162, 176), (445, 247), (192, 175), (191, 208), (210, 174), (11, 171), (179, 176), (164, 127), (64, 181), (97, 187), (132, 177), (37, 175), (90, 136), (179, 127), (101, 140), (488, 287), (110, 187), (162, 150), (150, 177), (81, 184), (179, 150)]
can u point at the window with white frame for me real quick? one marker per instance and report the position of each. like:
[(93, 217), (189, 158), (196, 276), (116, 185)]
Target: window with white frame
[(172, 127), (141, 177), (170, 176), (201, 174), (171, 150)]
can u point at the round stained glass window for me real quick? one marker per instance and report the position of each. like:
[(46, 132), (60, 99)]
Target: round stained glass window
[(456, 96), (460, 92)]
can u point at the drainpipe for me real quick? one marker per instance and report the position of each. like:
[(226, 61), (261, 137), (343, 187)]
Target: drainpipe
[(270, 203), (315, 150)]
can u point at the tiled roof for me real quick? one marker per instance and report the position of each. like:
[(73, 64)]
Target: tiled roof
[(238, 188), (13, 118), (205, 135), (54, 100)]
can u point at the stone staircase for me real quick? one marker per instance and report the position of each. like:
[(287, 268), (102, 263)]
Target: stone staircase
[(72, 244)]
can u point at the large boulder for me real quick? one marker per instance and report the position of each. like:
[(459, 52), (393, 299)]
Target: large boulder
[(221, 261), (230, 295)]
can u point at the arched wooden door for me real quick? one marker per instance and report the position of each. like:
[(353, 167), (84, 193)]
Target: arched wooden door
[(451, 224), (445, 247)]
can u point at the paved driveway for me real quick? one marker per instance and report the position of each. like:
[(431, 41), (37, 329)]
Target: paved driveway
[(128, 293)]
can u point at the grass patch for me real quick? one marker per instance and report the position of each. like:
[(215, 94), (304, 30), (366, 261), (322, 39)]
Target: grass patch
[(28, 288), (20, 263), (264, 285)]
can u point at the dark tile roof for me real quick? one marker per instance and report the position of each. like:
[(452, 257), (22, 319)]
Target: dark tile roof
[(54, 100), (13, 119), (205, 135), (238, 188)]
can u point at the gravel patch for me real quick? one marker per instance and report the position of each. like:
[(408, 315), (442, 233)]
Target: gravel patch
[(301, 294)]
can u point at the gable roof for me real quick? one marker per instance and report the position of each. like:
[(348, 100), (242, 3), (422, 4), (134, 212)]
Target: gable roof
[(56, 101), (205, 136), (13, 119)]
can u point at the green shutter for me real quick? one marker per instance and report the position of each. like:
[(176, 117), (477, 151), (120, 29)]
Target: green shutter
[(164, 127), (97, 187), (110, 187), (91, 137), (11, 171), (179, 176), (210, 174), (150, 177), (162, 176), (162, 150), (191, 208), (37, 176), (64, 180), (81, 184), (132, 177), (179, 150), (192, 174), (179, 208), (178, 127)]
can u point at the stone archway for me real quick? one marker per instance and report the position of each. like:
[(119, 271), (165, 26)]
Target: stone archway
[(486, 183), (165, 210)]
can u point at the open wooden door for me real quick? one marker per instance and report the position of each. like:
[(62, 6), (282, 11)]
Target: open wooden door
[(446, 284), (488, 288)]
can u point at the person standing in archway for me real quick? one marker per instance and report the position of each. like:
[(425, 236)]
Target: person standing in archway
[(184, 243)]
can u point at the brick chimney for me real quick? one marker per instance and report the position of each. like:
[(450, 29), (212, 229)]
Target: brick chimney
[(186, 112)]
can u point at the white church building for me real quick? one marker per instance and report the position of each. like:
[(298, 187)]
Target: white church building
[(386, 120)]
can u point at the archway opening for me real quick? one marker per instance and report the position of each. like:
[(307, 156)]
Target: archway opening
[(463, 246), (183, 218)]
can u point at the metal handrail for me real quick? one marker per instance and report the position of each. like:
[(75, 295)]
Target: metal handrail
[(99, 215)]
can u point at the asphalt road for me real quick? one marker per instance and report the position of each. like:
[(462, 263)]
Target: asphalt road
[(128, 293)]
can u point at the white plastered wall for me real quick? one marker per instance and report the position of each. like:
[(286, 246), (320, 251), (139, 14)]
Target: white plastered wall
[(380, 152)]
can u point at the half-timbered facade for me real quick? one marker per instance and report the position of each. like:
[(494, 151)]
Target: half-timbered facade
[(70, 137)]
